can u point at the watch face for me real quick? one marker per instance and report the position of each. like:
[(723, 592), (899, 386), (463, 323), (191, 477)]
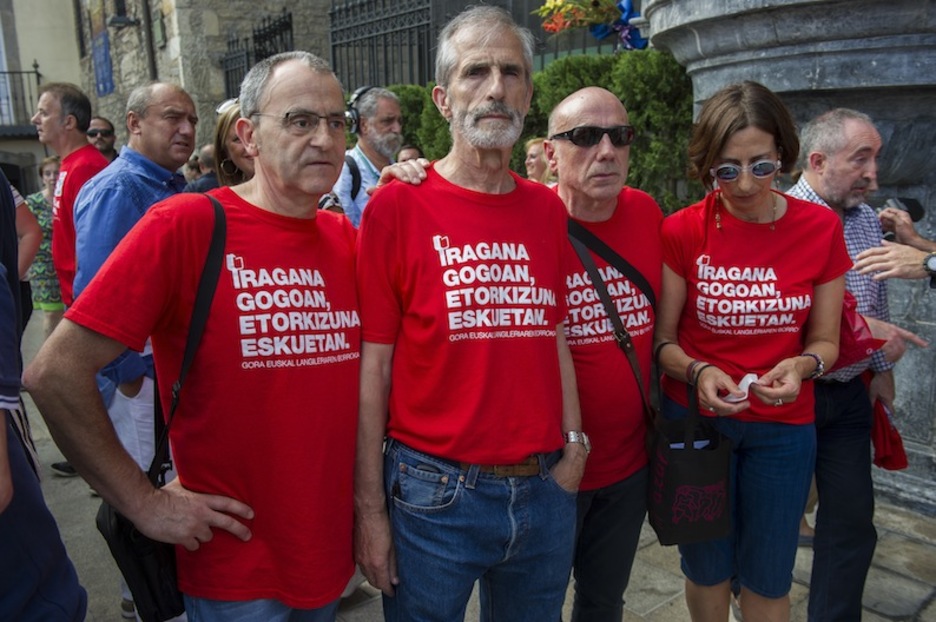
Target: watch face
[(930, 263)]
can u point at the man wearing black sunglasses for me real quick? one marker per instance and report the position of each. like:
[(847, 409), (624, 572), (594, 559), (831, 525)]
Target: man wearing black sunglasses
[(101, 134), (589, 150)]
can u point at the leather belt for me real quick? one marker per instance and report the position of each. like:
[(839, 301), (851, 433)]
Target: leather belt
[(527, 468)]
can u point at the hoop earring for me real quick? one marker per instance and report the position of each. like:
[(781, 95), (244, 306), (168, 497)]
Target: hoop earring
[(228, 164)]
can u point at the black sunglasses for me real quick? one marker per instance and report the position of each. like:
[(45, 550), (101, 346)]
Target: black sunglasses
[(95, 133), (590, 135)]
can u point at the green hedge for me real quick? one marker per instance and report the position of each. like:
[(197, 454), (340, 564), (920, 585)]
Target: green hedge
[(653, 86)]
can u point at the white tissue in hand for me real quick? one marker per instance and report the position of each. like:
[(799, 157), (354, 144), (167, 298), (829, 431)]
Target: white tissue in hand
[(743, 385)]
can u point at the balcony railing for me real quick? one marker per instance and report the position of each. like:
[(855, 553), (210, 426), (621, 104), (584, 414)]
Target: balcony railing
[(18, 97)]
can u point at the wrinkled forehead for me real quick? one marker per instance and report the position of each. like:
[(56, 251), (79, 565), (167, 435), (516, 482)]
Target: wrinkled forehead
[(50, 100), (861, 137), (494, 46), (296, 85), (172, 98)]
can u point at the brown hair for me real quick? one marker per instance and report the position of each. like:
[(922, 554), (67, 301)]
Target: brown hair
[(72, 100), (47, 161), (731, 110)]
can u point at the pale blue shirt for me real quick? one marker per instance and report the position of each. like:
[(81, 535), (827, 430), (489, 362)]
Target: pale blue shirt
[(354, 206)]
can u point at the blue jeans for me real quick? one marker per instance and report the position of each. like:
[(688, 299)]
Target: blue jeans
[(771, 470), (609, 523), (268, 610), (845, 534), (453, 527)]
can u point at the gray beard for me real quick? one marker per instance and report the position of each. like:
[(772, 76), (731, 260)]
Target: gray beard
[(385, 144), (495, 138)]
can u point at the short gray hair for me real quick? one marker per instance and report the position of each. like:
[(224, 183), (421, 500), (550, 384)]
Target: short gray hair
[(826, 133), (141, 97), (367, 104), (494, 21), (254, 85)]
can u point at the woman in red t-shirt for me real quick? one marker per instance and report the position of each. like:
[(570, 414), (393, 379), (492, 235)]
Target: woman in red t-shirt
[(752, 284)]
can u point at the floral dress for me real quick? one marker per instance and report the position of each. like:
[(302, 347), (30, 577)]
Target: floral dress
[(41, 275)]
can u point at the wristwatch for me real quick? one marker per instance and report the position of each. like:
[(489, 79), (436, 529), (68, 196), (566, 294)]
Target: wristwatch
[(578, 437), (820, 365), (929, 264)]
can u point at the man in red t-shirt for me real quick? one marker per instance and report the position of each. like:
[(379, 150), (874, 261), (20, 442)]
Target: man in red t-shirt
[(465, 368), (62, 119), (263, 438), (589, 151)]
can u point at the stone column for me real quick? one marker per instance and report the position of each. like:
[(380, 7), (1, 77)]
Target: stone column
[(876, 57)]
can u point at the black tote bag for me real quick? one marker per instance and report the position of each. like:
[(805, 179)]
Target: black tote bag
[(689, 489)]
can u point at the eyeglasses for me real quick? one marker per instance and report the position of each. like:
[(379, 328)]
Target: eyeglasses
[(226, 105), (94, 133), (302, 122), (590, 135), (731, 172)]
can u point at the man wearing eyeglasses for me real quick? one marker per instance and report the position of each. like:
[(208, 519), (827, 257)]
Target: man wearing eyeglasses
[(589, 148), (263, 437), (465, 367), (101, 134)]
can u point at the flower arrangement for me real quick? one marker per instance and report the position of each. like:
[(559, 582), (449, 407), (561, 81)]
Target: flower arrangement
[(602, 17), (564, 14)]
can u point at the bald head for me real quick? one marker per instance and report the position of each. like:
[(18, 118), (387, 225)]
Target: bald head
[(206, 158), (591, 176), (591, 99)]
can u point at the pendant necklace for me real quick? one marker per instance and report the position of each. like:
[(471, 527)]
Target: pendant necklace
[(773, 212)]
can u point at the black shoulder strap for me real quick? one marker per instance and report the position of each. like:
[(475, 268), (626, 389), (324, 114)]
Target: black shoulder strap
[(621, 335), (355, 175), (592, 241), (207, 285)]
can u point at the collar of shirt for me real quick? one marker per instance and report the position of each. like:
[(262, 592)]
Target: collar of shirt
[(173, 180), (363, 158), (862, 231)]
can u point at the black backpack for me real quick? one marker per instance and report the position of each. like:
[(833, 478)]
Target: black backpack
[(355, 176)]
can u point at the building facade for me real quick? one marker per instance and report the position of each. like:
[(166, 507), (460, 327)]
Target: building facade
[(34, 47)]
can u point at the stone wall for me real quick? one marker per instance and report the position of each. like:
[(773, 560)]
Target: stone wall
[(877, 57), (196, 36)]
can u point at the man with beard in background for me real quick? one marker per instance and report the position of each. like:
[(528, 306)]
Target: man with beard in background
[(378, 123)]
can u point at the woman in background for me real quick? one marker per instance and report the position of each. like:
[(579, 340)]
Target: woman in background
[(233, 165), (46, 295), (537, 168)]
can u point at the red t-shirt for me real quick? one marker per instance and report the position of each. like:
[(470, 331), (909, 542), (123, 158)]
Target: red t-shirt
[(268, 413), (612, 410), (77, 167), (469, 288), (749, 291)]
